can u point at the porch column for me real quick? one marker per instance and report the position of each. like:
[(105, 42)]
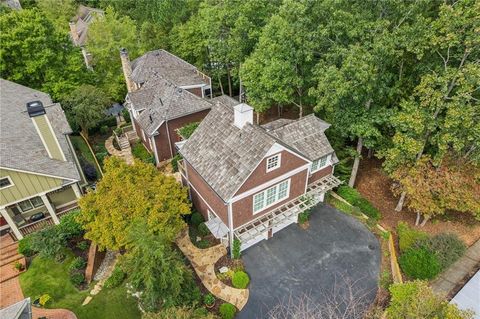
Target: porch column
[(50, 209), (11, 223), (76, 190)]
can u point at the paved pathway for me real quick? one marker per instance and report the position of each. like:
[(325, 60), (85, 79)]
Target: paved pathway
[(125, 153), (10, 290), (203, 261), (456, 273)]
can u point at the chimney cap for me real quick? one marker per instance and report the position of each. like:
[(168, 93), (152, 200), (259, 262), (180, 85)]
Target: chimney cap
[(123, 51), (243, 107), (35, 108)]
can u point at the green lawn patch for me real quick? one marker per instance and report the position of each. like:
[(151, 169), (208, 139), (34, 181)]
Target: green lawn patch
[(45, 276), (139, 151)]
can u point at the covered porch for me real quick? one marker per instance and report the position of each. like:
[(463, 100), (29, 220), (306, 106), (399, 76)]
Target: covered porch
[(32, 214), (266, 225)]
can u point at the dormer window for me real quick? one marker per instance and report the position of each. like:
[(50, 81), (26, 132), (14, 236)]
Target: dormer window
[(273, 162), (318, 164)]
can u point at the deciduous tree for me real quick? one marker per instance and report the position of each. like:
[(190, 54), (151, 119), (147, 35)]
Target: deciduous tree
[(86, 107), (127, 193)]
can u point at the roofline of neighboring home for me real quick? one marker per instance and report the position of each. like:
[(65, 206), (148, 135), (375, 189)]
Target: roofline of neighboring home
[(36, 173)]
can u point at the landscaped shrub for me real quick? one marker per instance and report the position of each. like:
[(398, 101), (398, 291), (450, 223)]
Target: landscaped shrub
[(209, 299), (240, 279), (103, 129), (83, 245), (77, 278), (101, 157), (126, 116), (352, 196), (408, 236), (69, 227), (203, 229), (25, 246), (304, 216), (419, 263), (49, 243), (196, 218), (116, 278), (139, 151), (89, 170), (227, 311), (174, 162), (447, 247), (236, 248), (77, 263), (202, 244)]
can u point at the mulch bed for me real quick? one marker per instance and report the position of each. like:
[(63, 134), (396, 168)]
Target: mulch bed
[(375, 185), (232, 264)]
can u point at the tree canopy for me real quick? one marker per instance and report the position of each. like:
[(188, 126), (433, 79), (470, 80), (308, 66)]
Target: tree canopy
[(129, 194)]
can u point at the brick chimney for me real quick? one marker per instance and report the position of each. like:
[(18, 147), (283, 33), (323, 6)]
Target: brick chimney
[(73, 32), (243, 114), (127, 70), (37, 113)]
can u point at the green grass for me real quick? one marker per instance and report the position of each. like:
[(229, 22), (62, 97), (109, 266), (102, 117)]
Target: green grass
[(47, 276), (139, 151), (82, 150)]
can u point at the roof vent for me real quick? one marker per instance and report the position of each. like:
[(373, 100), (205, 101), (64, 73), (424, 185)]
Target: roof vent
[(161, 102), (35, 108), (151, 119)]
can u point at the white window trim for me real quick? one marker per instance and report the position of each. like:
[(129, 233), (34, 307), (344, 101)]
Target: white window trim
[(31, 203), (10, 180), (277, 200), (327, 162), (279, 162)]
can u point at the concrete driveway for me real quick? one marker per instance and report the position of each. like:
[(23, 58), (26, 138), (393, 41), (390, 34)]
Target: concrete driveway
[(314, 265)]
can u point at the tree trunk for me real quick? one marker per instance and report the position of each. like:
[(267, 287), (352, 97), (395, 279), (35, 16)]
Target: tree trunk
[(220, 83), (229, 82), (84, 132), (417, 221), (279, 112), (258, 118), (356, 163), (425, 220), (370, 153), (401, 201)]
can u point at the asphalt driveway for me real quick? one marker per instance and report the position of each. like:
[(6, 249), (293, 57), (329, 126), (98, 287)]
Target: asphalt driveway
[(316, 265)]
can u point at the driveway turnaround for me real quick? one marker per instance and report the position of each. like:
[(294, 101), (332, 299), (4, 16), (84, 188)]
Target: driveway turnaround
[(314, 267)]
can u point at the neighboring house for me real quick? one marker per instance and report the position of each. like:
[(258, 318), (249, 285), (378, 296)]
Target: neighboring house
[(19, 310), (79, 29), (39, 172), (251, 181), (165, 93), (12, 4)]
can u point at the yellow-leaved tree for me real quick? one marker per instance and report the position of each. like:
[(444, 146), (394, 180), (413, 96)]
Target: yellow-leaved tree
[(129, 194)]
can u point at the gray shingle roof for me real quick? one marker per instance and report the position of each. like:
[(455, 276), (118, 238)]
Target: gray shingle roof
[(19, 310), (163, 101), (305, 135), (171, 67), (85, 15), (20, 145), (223, 154)]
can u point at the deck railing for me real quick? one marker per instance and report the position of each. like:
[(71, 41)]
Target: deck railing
[(44, 222)]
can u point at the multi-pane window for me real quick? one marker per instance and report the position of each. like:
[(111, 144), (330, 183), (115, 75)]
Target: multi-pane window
[(318, 164), (5, 182), (273, 162), (271, 196), (29, 204)]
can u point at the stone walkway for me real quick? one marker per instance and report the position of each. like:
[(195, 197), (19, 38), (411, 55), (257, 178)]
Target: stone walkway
[(203, 261), (102, 274), (456, 273), (125, 153)]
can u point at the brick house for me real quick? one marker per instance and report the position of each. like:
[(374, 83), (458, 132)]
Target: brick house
[(164, 94), (250, 181)]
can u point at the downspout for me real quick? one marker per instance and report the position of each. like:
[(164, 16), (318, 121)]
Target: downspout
[(152, 140), (169, 141), (188, 179), (230, 226)]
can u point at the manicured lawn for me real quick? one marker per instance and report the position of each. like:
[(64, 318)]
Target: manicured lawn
[(47, 276)]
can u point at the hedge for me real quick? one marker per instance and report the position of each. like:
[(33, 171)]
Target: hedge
[(352, 196), (420, 263)]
